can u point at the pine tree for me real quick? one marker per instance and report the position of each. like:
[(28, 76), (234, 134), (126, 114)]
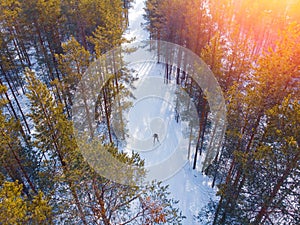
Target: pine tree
[(11, 23), (198, 27), (155, 18), (18, 160), (43, 22), (82, 18), (272, 83), (72, 63), (278, 149), (53, 137), (10, 67), (108, 35), (16, 209)]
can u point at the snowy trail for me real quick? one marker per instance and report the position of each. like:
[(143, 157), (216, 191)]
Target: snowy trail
[(153, 112), (136, 20)]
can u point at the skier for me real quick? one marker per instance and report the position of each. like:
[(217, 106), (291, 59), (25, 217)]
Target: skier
[(155, 137)]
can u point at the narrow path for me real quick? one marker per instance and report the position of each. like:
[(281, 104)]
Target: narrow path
[(190, 187)]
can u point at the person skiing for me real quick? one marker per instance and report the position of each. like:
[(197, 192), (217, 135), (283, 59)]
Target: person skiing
[(155, 137)]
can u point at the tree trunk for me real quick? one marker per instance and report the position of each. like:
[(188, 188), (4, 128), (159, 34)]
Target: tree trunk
[(102, 205), (107, 114), (15, 97), (263, 212), (22, 169)]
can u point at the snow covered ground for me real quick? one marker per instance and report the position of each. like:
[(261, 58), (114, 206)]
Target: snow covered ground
[(153, 112)]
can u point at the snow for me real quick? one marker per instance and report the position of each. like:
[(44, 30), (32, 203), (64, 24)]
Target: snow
[(153, 111), (135, 29)]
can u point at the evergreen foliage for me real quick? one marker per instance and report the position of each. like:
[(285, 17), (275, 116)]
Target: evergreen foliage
[(44, 178)]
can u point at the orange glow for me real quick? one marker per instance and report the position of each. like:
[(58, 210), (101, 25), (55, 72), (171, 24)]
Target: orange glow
[(262, 19)]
